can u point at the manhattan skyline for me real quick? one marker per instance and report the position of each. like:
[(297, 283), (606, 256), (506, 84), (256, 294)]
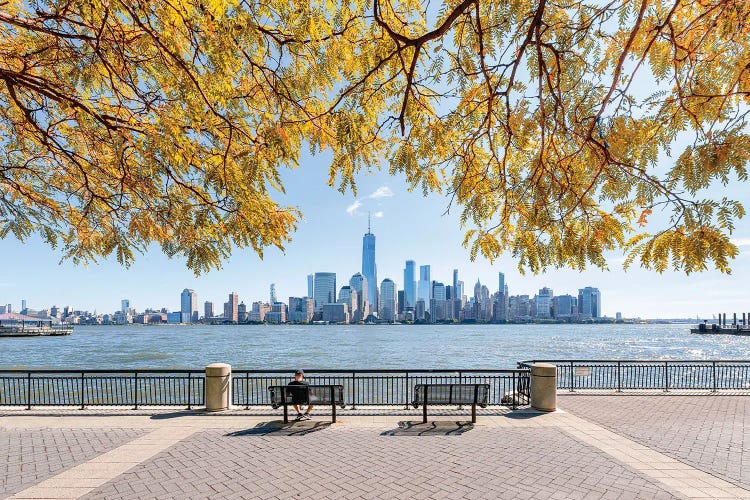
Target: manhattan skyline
[(407, 226)]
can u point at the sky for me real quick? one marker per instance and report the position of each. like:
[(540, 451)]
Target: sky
[(406, 225)]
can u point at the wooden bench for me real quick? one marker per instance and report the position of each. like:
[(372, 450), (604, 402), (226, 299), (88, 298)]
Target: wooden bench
[(451, 394), (285, 395)]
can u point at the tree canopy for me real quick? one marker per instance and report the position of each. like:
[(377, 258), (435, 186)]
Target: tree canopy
[(549, 124)]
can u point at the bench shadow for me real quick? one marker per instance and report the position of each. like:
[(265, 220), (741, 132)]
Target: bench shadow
[(279, 428), (434, 428)]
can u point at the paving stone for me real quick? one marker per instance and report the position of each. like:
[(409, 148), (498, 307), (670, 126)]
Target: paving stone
[(710, 433), (348, 462), (28, 456)]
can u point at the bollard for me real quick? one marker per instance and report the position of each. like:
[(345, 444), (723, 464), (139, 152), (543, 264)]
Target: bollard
[(218, 386), (544, 386)]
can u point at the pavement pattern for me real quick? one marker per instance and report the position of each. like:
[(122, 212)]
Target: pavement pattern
[(710, 433), (576, 453)]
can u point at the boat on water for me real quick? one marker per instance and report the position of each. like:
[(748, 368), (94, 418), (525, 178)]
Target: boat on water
[(33, 328)]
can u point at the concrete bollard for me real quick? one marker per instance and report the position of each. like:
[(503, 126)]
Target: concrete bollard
[(218, 386), (544, 386)]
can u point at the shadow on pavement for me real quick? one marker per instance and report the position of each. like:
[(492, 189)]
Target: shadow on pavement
[(435, 428), (279, 428)]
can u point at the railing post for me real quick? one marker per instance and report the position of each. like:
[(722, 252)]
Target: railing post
[(666, 376), (619, 376), (247, 390), (424, 404), (135, 390), (83, 395), (572, 380), (354, 390), (28, 391), (406, 391), (332, 390), (713, 376), (513, 403), (190, 389)]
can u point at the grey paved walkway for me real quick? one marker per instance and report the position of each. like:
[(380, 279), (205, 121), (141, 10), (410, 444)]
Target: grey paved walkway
[(596, 450), (711, 433), (28, 456)]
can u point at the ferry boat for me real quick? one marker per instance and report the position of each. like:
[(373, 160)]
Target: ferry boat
[(32, 328)]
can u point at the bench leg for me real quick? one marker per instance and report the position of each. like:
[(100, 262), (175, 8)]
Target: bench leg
[(286, 415), (424, 413), (333, 413), (474, 413)]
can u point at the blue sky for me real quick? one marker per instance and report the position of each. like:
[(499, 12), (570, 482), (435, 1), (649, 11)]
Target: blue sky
[(407, 226)]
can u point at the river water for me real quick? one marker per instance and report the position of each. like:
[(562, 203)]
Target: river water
[(359, 346)]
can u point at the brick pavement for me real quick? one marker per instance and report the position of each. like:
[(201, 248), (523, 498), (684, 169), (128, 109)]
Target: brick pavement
[(711, 433), (354, 462), (28, 456)]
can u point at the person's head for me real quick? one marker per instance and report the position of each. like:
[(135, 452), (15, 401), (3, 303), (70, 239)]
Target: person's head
[(299, 375)]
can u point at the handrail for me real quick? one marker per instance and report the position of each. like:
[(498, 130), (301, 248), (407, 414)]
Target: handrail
[(633, 361)]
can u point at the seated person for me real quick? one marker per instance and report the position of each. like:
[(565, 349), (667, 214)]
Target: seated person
[(300, 397)]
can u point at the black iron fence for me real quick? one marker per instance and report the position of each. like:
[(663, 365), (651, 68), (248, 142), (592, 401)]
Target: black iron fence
[(102, 388), (361, 387), (383, 387), (622, 375)]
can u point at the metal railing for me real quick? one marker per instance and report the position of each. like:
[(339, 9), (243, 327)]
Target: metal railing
[(383, 387), (664, 375), (102, 388)]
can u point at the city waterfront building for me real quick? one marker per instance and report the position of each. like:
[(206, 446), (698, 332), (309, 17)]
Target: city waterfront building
[(359, 284), (125, 305), (400, 302), (336, 313), (300, 309), (564, 306), (310, 282), (324, 290), (258, 312), (230, 308), (272, 294), (369, 268), (519, 308), (348, 296), (419, 310), (242, 314), (543, 303), (589, 302), (425, 285), (278, 313), (388, 300), (208, 310), (410, 284), (189, 306)]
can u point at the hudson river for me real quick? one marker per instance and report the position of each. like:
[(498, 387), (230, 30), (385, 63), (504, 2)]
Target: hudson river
[(346, 347)]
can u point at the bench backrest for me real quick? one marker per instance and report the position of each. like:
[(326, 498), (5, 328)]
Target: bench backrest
[(306, 394), (452, 394)]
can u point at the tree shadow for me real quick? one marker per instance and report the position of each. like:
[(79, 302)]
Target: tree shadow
[(279, 428), (434, 428)]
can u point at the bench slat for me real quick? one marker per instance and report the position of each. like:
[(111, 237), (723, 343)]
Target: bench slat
[(451, 394), (306, 394)]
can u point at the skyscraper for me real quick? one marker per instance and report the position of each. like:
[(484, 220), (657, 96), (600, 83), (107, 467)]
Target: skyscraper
[(273, 293), (208, 310), (189, 306), (589, 302), (310, 281), (369, 269), (410, 284), (125, 305), (324, 291), (425, 285), (388, 300), (230, 308), (359, 284)]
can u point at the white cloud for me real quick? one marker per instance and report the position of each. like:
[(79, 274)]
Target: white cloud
[(382, 192), (378, 215), (741, 242), (352, 209)]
